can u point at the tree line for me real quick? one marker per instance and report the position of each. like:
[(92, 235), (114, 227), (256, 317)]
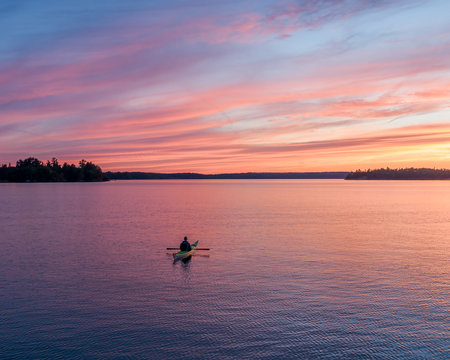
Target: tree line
[(400, 174), (34, 170), (135, 175)]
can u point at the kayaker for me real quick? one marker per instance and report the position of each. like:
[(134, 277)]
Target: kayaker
[(185, 246)]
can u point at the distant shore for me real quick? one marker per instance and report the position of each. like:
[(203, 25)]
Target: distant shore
[(34, 170), (250, 175), (400, 174)]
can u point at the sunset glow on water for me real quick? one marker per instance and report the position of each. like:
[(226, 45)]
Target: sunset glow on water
[(297, 269)]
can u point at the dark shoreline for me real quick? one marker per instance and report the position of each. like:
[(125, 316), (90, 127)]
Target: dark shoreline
[(400, 174), (34, 170), (250, 175)]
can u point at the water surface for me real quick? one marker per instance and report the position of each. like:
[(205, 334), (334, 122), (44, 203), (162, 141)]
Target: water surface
[(297, 269)]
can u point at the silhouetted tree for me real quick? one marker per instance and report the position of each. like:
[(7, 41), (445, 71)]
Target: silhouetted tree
[(400, 174), (32, 169), (70, 172)]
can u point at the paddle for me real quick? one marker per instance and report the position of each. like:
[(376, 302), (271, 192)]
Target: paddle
[(195, 249)]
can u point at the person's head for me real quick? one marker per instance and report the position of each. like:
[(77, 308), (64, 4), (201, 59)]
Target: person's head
[(185, 238)]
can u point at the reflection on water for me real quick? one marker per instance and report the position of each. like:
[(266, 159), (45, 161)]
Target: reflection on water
[(185, 261), (297, 269)]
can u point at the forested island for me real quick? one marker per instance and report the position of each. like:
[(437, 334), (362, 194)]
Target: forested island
[(250, 175), (400, 174), (34, 170)]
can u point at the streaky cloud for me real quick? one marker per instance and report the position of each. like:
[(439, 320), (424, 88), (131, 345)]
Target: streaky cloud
[(225, 86)]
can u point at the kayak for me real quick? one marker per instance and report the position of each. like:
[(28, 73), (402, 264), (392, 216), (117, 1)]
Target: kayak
[(184, 254)]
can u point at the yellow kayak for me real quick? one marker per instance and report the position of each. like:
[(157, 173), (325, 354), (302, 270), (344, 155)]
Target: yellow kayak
[(184, 254)]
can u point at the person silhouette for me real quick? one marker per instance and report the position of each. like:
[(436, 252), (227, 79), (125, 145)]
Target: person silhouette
[(185, 246)]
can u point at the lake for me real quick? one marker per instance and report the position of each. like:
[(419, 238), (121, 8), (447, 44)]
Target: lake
[(298, 269)]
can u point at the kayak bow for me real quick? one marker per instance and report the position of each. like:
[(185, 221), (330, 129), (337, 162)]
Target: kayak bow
[(184, 254)]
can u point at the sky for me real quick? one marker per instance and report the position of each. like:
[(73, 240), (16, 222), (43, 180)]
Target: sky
[(226, 86)]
